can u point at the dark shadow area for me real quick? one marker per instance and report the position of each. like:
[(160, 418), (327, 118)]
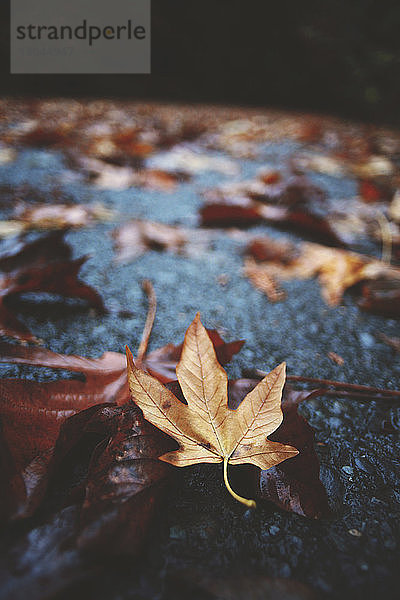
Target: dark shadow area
[(334, 56)]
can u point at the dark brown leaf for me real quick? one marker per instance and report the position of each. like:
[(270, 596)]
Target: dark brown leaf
[(293, 201), (382, 295), (124, 482), (32, 413), (190, 583), (41, 266)]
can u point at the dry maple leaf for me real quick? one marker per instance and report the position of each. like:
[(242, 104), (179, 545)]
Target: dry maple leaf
[(206, 428)]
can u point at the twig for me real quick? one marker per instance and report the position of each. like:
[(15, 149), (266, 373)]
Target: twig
[(356, 396), (344, 386), (386, 236), (392, 342), (341, 389), (151, 313)]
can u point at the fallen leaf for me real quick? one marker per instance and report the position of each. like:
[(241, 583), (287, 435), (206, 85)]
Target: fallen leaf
[(374, 166), (292, 485), (193, 584), (321, 163), (337, 271), (136, 237), (394, 208), (32, 413), (53, 216), (116, 177), (105, 492), (206, 429), (7, 154), (124, 482), (191, 161), (44, 265), (47, 136), (336, 358), (292, 201), (240, 212)]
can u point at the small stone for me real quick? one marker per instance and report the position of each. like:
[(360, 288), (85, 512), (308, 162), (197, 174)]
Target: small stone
[(348, 470), (176, 533), (355, 532), (367, 340), (274, 530)]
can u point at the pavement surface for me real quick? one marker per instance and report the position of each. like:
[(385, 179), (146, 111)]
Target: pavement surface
[(353, 554)]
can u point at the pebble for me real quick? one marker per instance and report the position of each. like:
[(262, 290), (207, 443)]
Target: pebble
[(348, 470), (367, 340), (274, 530), (355, 532)]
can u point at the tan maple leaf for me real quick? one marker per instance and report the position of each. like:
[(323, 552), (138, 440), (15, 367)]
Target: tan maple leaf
[(206, 428)]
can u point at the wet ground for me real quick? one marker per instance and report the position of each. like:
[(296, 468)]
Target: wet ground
[(203, 532)]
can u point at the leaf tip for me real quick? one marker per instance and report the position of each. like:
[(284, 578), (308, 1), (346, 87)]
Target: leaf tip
[(129, 358)]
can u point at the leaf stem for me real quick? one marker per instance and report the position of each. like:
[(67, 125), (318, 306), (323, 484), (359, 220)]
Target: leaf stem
[(245, 501), (151, 313)]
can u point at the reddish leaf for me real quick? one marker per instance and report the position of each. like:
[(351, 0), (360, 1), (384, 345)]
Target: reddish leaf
[(32, 413), (41, 266), (369, 192), (225, 214), (44, 136), (122, 488), (294, 201), (382, 295), (296, 487), (293, 485)]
